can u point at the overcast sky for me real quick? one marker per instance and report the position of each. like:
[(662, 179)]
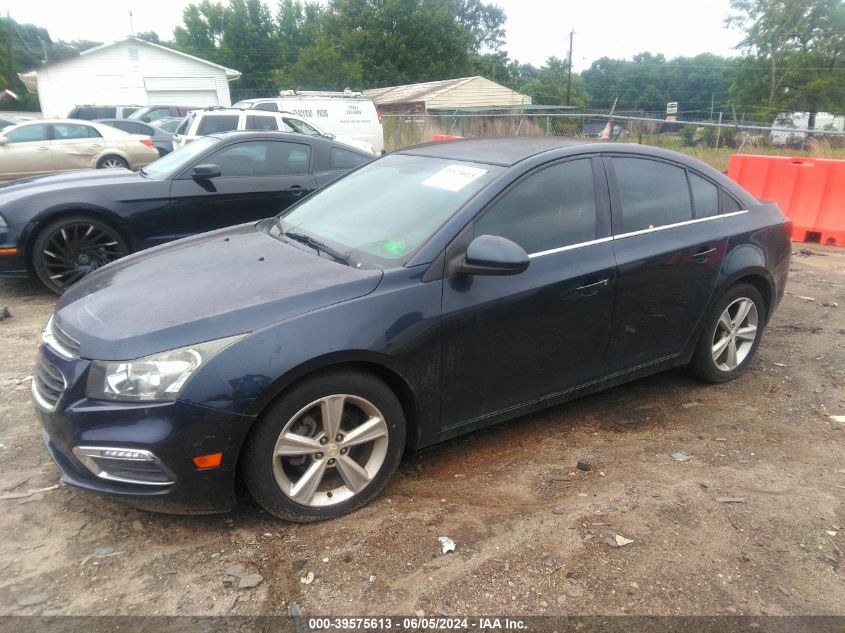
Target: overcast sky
[(536, 29)]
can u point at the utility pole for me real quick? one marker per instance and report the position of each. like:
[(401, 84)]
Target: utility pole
[(8, 50), (569, 72)]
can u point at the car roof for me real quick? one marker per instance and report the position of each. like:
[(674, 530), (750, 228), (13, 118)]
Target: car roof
[(286, 136), (497, 151)]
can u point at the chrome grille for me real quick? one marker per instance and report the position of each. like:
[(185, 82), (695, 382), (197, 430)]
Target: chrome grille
[(65, 340), (48, 383)]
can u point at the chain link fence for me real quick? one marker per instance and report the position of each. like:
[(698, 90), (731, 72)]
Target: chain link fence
[(708, 140)]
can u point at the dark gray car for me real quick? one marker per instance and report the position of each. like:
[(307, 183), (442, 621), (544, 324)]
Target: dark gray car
[(162, 139)]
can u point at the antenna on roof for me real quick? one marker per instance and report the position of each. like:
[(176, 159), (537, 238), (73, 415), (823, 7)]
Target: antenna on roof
[(131, 26)]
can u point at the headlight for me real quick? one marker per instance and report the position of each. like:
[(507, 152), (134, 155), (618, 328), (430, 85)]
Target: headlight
[(156, 378)]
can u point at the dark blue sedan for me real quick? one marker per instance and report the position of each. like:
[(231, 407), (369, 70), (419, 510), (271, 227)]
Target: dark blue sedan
[(433, 292)]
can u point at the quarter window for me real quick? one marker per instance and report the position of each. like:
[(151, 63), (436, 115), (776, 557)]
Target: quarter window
[(28, 134), (552, 208), (344, 159), (215, 124), (651, 193), (705, 196), (729, 205), (262, 158)]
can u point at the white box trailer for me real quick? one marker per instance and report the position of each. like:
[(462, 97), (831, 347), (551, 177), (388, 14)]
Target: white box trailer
[(342, 113)]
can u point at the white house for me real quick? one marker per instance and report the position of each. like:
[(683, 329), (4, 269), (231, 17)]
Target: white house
[(129, 72)]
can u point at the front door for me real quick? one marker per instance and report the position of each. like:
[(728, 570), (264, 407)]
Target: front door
[(258, 179), (512, 340), (26, 152), (669, 256)]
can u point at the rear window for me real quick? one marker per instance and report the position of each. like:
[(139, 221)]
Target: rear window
[(262, 123), (652, 194), (89, 113), (270, 106), (214, 124)]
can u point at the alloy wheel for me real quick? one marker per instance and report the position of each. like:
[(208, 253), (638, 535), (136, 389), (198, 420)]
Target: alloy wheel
[(330, 450), (78, 249), (735, 334)]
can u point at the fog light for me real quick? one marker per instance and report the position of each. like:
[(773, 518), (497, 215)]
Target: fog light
[(125, 465)]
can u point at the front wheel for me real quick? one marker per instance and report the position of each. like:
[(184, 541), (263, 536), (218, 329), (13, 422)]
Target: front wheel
[(71, 248), (731, 335), (326, 447)]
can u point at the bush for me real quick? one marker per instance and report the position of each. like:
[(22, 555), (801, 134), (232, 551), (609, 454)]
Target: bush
[(687, 134)]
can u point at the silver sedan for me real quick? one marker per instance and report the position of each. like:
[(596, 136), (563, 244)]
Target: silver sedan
[(55, 145)]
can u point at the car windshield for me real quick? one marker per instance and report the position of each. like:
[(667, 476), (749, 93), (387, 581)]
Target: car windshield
[(171, 164), (380, 214)]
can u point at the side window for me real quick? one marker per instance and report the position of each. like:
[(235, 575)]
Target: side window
[(29, 134), (270, 106), (69, 131), (213, 124), (262, 123), (552, 208), (729, 205), (301, 127), (157, 113), (705, 196), (262, 158), (344, 159), (652, 194), (184, 125)]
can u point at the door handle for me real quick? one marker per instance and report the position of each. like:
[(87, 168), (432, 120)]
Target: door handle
[(702, 256), (43, 149), (590, 290), (296, 190)]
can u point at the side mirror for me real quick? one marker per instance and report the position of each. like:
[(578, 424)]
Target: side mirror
[(3, 140), (205, 171), (493, 255)]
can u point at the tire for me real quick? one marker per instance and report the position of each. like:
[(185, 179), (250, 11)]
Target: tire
[(280, 484), (112, 162), (68, 249), (736, 347)]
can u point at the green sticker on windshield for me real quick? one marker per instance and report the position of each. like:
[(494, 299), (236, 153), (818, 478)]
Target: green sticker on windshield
[(396, 247)]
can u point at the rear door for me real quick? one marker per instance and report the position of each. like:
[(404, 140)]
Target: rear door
[(511, 340), (259, 178), (27, 152), (669, 246), (75, 146)]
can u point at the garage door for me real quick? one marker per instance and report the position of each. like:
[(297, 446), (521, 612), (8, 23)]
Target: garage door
[(183, 97)]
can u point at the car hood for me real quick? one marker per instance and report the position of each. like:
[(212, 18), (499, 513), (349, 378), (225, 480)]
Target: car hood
[(218, 284), (75, 179)]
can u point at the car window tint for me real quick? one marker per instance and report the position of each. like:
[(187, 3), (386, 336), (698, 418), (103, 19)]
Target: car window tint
[(69, 131), (552, 208), (28, 134), (97, 112), (262, 123), (729, 205), (132, 127), (128, 111), (705, 196), (158, 113), (272, 107), (652, 194), (214, 124), (343, 159), (262, 158)]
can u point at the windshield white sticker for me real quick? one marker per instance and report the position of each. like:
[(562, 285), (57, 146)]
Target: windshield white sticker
[(454, 177)]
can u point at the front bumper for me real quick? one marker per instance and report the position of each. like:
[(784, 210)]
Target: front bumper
[(13, 265), (174, 432)]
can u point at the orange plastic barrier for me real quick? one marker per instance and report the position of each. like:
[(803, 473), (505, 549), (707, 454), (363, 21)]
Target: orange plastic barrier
[(811, 192), (444, 137)]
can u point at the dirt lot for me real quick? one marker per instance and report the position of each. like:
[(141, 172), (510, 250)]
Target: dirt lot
[(532, 532)]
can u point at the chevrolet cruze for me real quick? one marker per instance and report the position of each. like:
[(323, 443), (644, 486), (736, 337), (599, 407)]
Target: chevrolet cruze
[(430, 293)]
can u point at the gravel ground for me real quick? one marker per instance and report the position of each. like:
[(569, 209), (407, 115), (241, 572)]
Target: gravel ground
[(751, 524)]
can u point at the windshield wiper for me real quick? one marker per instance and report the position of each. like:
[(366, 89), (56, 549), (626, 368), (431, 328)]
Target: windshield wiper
[(318, 246)]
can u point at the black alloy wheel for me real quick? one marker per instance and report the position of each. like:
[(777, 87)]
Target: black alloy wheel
[(71, 248)]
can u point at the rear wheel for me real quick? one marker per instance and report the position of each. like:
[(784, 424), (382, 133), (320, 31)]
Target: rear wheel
[(71, 248), (326, 447), (112, 162), (731, 335)]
